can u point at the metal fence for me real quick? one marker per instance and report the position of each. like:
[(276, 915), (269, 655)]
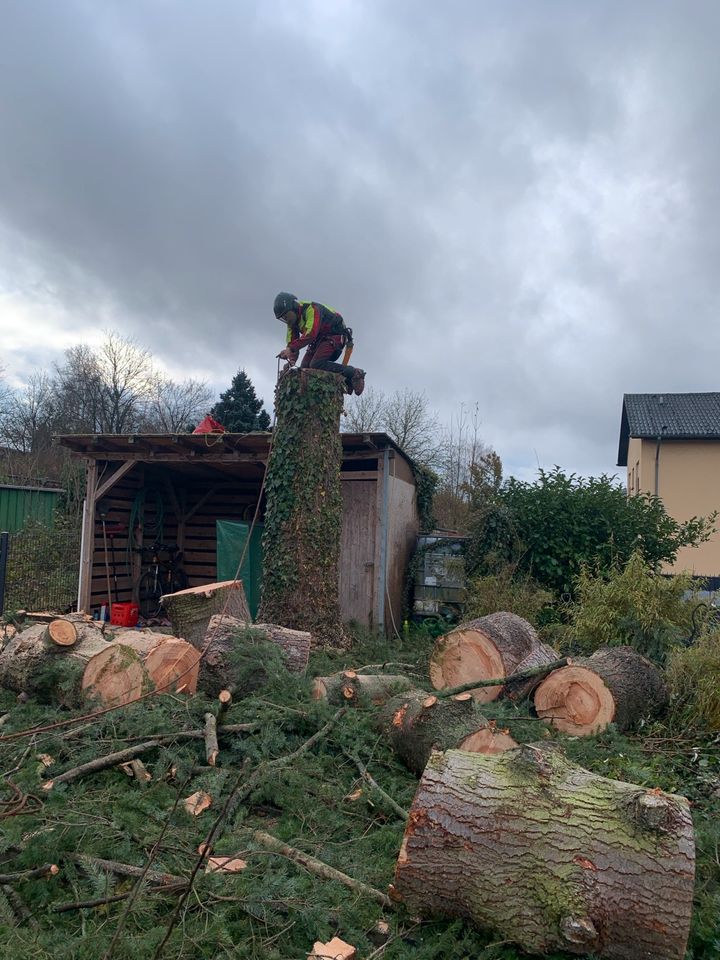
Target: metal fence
[(42, 568)]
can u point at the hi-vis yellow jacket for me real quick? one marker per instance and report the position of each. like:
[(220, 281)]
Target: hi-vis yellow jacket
[(315, 322)]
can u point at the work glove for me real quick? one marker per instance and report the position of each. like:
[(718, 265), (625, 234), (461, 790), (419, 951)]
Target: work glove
[(288, 355)]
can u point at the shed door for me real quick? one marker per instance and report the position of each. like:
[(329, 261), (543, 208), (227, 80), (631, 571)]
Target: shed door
[(357, 550)]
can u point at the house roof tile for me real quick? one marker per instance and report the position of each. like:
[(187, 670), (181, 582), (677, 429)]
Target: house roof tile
[(671, 416)]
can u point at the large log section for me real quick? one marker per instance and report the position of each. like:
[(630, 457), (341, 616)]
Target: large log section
[(417, 723), (190, 610), (549, 856), (224, 663), (27, 657), (614, 685), (303, 517), (482, 649)]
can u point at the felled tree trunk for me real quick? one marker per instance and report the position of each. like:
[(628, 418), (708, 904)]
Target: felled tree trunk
[(549, 856), (227, 663), (350, 688), (416, 723), (135, 664), (29, 660), (614, 685), (303, 517), (482, 649), (190, 610)]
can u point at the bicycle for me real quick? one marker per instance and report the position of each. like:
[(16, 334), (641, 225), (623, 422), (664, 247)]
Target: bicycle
[(164, 575)]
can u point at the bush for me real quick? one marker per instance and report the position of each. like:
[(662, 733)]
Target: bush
[(551, 528), (501, 591), (631, 605), (694, 678)]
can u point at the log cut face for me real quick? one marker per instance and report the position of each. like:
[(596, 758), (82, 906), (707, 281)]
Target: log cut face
[(482, 649), (550, 856), (614, 685), (417, 723), (190, 610), (303, 518)]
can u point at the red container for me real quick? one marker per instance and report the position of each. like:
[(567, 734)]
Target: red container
[(124, 614)]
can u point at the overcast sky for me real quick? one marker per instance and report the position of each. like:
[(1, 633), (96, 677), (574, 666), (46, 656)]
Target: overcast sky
[(512, 203)]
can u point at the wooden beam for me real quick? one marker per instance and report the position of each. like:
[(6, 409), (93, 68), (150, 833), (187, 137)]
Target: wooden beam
[(88, 536), (112, 480), (200, 502)]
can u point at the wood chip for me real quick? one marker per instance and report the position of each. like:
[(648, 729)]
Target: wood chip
[(225, 865), (355, 795), (197, 803), (335, 949), (46, 760)]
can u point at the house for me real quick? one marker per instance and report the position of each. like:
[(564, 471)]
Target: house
[(670, 444), (178, 489)]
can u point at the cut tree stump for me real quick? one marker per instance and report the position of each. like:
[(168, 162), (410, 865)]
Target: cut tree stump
[(482, 649), (190, 610), (122, 673), (303, 517), (549, 856), (350, 688), (416, 723), (223, 666), (615, 685), (28, 656)]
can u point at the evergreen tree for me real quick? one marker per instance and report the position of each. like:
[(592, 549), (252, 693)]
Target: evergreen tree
[(239, 409)]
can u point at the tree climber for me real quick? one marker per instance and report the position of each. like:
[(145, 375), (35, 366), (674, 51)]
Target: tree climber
[(323, 332)]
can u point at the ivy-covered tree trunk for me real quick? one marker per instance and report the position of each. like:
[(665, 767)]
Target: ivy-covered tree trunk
[(301, 540)]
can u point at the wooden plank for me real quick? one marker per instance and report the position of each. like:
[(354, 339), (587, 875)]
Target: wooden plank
[(88, 529), (357, 549), (110, 482)]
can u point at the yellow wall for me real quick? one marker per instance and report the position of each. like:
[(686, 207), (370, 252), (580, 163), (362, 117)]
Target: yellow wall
[(689, 486)]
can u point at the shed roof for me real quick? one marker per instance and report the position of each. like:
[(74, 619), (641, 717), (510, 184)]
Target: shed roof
[(196, 447), (669, 416)]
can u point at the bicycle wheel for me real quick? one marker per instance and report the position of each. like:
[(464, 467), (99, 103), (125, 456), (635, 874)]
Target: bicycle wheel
[(149, 594)]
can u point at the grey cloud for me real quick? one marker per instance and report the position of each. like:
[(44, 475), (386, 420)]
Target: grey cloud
[(513, 203)]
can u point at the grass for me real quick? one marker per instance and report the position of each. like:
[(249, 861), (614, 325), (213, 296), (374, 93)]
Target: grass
[(274, 910)]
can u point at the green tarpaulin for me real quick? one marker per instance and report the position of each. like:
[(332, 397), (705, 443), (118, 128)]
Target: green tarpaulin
[(231, 539)]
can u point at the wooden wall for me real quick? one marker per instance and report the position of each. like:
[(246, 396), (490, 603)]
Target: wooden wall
[(201, 501)]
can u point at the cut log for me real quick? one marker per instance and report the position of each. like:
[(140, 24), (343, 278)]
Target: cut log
[(190, 610), (30, 661), (541, 656), (121, 673), (62, 633), (417, 723), (482, 649), (232, 660), (549, 856), (303, 517), (350, 688), (614, 685), (115, 676)]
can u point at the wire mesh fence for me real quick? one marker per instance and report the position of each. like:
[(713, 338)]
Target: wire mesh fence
[(43, 566)]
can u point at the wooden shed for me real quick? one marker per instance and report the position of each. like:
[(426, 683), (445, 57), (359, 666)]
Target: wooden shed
[(174, 488)]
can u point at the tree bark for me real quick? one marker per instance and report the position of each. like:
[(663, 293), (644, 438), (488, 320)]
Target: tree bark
[(416, 723), (303, 518), (482, 649), (540, 656), (233, 654), (190, 610), (29, 659), (549, 856), (350, 688), (614, 685)]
